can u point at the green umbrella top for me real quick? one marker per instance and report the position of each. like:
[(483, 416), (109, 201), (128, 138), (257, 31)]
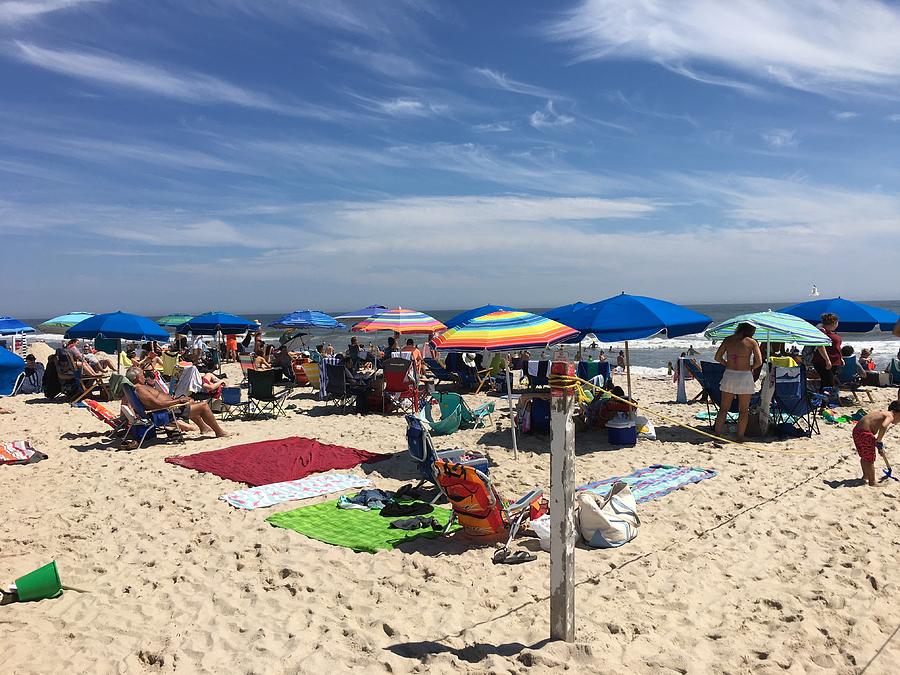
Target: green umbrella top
[(772, 327), (174, 320)]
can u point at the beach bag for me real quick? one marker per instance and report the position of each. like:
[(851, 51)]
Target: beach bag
[(608, 521)]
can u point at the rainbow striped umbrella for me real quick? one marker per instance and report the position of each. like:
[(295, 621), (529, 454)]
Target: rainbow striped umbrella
[(503, 331), (400, 320)]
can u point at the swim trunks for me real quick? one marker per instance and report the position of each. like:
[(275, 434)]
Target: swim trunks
[(864, 440), (738, 382)]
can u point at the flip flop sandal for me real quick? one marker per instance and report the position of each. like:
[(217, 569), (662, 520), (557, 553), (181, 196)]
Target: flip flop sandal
[(506, 557)]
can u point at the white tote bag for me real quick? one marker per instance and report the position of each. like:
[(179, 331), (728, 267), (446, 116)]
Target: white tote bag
[(608, 521)]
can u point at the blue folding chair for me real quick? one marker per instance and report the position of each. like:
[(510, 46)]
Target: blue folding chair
[(793, 402), (145, 424), (440, 373), (421, 449), (709, 375)]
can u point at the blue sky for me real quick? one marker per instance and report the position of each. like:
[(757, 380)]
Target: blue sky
[(267, 155)]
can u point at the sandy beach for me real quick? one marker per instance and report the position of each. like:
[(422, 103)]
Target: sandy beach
[(775, 565)]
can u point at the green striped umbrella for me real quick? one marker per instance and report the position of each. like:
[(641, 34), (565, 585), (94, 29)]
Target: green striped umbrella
[(174, 320), (772, 327)]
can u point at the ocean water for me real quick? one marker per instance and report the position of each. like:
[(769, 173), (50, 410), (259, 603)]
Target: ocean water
[(648, 356)]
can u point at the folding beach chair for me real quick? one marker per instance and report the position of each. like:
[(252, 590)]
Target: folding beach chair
[(262, 396), (440, 373), (709, 375), (311, 370), (75, 383), (421, 449), (143, 423), (451, 414), (336, 389), (233, 404), (489, 374), (469, 419), (246, 362), (467, 376), (400, 384), (477, 506), (170, 363), (793, 402), (848, 379), (117, 424)]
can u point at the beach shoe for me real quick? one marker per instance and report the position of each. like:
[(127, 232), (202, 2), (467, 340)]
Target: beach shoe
[(416, 523), (504, 556)]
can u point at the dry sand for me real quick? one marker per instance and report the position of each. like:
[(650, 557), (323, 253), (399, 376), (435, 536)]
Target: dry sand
[(772, 566)]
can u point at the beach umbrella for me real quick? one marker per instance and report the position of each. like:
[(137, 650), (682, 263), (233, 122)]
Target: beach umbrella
[(504, 331), (173, 320), (363, 313), (307, 318), (632, 317), (772, 327), (67, 320), (400, 320), (117, 326), (462, 317), (11, 366), (855, 317), (11, 326), (563, 310), (212, 323)]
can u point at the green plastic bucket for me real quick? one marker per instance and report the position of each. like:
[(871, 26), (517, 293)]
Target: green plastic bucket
[(41, 584)]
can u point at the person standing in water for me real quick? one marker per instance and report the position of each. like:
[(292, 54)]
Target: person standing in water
[(739, 354)]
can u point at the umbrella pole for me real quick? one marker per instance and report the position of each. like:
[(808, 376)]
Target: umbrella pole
[(628, 368), (512, 417)]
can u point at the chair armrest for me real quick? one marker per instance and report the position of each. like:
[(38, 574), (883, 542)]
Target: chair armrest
[(525, 500)]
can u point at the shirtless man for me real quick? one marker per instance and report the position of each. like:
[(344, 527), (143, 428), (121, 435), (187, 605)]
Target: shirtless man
[(739, 354), (153, 399), (867, 436)]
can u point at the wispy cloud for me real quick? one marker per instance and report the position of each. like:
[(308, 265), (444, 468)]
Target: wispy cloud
[(635, 105), (548, 118), (110, 70), (780, 139), (895, 117), (391, 64), (844, 115), (20, 11), (833, 47), (493, 127), (498, 80)]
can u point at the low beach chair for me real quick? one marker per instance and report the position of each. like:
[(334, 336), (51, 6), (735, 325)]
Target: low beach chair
[(233, 403), (848, 379), (116, 423), (709, 376), (451, 414), (75, 384), (311, 370), (467, 376), (262, 395), (793, 402), (170, 363), (489, 374), (468, 418), (336, 389), (477, 506), (143, 423), (246, 362), (421, 449), (440, 373)]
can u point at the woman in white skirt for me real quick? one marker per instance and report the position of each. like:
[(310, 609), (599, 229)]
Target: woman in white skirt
[(739, 354)]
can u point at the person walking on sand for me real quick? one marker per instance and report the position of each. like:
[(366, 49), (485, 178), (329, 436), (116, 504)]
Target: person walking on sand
[(868, 434), (740, 354)]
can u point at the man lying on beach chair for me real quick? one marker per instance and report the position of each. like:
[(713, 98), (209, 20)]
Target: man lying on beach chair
[(476, 504), (148, 399)]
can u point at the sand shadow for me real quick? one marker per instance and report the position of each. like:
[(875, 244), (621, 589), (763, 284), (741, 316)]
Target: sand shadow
[(845, 483), (474, 653)]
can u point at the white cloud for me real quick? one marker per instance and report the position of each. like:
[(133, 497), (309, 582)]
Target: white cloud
[(844, 115), (385, 63), (548, 118), (780, 139), (830, 47), (183, 85), (496, 127), (895, 117), (499, 80), (16, 11)]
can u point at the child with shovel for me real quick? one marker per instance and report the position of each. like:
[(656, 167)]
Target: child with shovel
[(868, 434)]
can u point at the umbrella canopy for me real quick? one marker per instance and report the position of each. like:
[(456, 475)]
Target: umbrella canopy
[(174, 320), (855, 317), (400, 320), (67, 320), (462, 317), (772, 327), (118, 325), (11, 326), (307, 318), (504, 330), (632, 317), (563, 310), (363, 313), (11, 366), (214, 322)]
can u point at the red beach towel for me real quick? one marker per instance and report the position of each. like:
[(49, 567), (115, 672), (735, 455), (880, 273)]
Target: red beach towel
[(276, 461)]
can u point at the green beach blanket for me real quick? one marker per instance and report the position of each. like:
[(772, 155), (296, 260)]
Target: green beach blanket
[(706, 416), (367, 531)]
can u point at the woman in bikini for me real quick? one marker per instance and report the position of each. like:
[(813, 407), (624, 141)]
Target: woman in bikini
[(739, 354)]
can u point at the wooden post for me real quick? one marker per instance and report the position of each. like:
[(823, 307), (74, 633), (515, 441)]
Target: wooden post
[(562, 508)]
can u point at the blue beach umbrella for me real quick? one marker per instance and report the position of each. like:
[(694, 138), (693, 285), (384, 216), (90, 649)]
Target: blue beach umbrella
[(215, 322), (11, 366), (470, 314), (118, 325), (67, 320), (563, 310), (307, 318), (11, 326), (855, 317)]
